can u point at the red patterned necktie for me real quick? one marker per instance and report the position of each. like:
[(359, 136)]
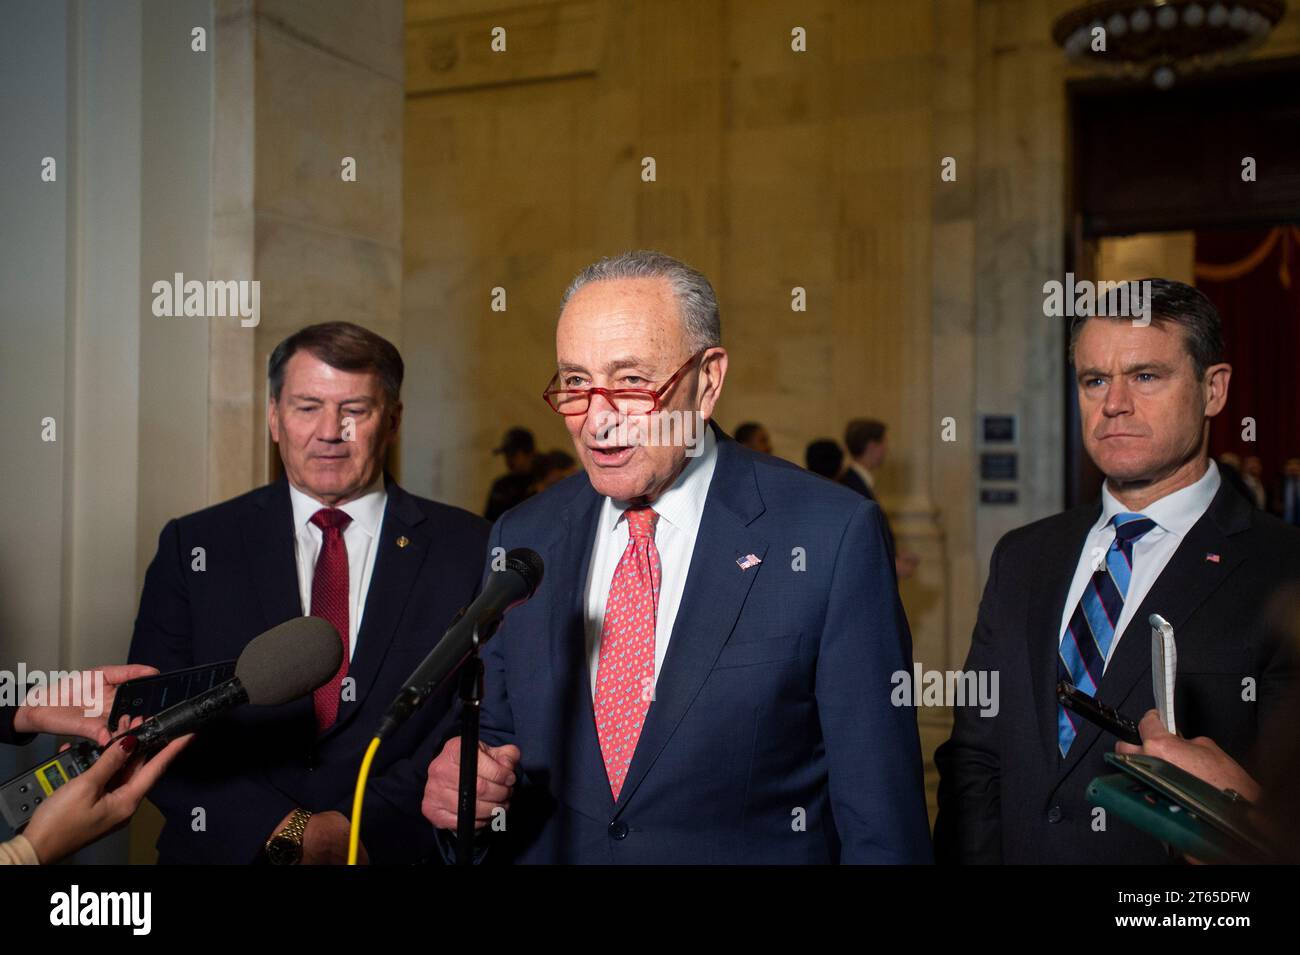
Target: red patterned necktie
[(625, 673), (329, 600)]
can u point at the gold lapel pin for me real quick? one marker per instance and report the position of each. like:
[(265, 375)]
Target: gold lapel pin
[(403, 541)]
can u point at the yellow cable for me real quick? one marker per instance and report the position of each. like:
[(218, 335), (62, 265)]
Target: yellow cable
[(354, 835)]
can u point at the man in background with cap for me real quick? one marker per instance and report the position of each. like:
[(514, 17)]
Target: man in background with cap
[(516, 484)]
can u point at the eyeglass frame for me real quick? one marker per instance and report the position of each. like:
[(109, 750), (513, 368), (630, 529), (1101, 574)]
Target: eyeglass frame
[(610, 394)]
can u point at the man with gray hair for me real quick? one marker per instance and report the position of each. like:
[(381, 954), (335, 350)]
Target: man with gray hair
[(704, 674), (336, 537)]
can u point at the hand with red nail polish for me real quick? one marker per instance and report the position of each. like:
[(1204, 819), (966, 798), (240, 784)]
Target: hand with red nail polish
[(99, 801)]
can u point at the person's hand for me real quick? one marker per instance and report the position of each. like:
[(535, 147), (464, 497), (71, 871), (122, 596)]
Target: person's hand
[(98, 801), (496, 776), (50, 709), (325, 840), (1201, 757)]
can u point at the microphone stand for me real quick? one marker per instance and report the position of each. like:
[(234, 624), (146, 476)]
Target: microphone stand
[(471, 696)]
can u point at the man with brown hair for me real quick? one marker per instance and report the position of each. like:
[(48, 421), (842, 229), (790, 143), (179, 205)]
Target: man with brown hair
[(1069, 598), (334, 538), (867, 446)]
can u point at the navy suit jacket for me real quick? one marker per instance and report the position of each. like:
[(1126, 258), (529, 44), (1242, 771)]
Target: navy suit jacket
[(770, 737), (259, 763), (852, 480), (1005, 793)]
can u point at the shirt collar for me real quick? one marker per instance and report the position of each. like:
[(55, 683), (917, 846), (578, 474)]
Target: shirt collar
[(682, 505), (1176, 512), (366, 511)]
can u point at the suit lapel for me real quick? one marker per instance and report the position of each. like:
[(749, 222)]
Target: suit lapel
[(566, 590), (1184, 584), (396, 568), (1048, 593), (272, 561), (716, 588), (271, 548)]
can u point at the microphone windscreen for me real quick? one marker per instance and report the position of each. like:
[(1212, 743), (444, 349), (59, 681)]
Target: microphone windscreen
[(528, 564), (289, 661)]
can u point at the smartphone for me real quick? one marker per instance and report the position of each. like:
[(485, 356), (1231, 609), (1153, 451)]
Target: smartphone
[(1098, 713), (150, 695)]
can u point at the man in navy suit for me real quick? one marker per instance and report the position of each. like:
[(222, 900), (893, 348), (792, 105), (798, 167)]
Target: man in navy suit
[(704, 674), (867, 446), (334, 538), (1069, 598)]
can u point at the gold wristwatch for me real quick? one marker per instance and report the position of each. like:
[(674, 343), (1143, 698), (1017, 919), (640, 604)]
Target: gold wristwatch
[(285, 846)]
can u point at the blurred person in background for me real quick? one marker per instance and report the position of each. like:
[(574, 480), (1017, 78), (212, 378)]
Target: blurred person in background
[(1252, 473), (551, 468), (824, 457), (517, 483), (868, 447), (755, 437), (1287, 504)]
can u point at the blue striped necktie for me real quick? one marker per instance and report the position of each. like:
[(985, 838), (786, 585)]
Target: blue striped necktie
[(1082, 656)]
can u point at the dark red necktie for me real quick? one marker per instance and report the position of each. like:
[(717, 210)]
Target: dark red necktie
[(329, 601)]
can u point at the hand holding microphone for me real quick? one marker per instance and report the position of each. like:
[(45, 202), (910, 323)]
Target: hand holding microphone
[(512, 585), (99, 801), (515, 583), (281, 665), (496, 780)]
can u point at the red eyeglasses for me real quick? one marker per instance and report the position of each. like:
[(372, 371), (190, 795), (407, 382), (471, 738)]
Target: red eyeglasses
[(627, 401)]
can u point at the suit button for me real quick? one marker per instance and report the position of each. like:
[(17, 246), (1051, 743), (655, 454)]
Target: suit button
[(618, 829), (1055, 815)]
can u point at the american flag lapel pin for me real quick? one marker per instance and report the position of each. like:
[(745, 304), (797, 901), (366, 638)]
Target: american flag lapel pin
[(1212, 558), (748, 561)]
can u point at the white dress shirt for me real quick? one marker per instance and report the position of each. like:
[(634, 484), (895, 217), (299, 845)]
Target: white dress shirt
[(680, 509), (360, 537), (1174, 515)]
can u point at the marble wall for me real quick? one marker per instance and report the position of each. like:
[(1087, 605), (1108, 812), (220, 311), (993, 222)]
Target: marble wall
[(301, 87)]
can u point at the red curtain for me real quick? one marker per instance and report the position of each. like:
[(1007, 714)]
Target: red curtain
[(1253, 277)]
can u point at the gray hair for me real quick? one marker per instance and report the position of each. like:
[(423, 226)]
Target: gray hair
[(695, 297)]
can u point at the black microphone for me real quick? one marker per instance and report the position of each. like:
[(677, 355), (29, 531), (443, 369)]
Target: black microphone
[(506, 588), (278, 666)]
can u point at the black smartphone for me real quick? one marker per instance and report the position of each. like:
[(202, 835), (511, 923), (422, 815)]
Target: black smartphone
[(150, 695), (1098, 713)]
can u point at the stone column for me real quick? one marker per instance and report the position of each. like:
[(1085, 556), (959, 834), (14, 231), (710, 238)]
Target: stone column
[(305, 93)]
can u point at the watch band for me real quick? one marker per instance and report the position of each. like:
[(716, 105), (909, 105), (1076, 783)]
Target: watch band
[(290, 836)]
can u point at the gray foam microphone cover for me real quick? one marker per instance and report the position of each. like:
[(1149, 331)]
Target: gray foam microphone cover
[(289, 661)]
